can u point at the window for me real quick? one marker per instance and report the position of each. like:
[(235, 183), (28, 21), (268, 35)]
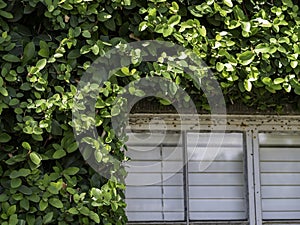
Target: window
[(280, 176), (254, 176)]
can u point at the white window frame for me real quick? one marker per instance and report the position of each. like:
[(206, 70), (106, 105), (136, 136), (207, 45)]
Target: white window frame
[(251, 126)]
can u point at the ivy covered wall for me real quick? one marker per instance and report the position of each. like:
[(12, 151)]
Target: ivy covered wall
[(46, 46)]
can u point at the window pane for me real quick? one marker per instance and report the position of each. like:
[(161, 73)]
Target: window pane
[(154, 190), (280, 176), (216, 190)]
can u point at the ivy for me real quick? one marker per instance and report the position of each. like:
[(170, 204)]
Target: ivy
[(46, 46)]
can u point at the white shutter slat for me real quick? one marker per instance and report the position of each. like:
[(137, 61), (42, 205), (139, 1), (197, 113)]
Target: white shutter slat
[(220, 192)]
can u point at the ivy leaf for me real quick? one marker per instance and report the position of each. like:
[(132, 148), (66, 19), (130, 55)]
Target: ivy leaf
[(115, 110), (3, 91), (13, 219), (29, 51), (44, 49), (294, 64), (143, 26), (41, 64), (278, 80), (262, 48), (6, 15), (202, 31), (103, 16), (11, 210), (35, 158), (43, 205), (174, 20), (246, 57), (72, 147), (48, 218), (24, 203), (248, 85), (11, 58), (94, 216), (15, 183), (219, 66), (289, 3), (71, 171), (167, 31), (228, 3), (56, 203), (59, 154), (4, 137)]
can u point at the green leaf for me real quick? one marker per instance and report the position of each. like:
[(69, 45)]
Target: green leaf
[(72, 147), (11, 58), (13, 220), (43, 205), (15, 183), (48, 218), (110, 24), (6, 15), (74, 54), (73, 211), (246, 57), (143, 26), (3, 91), (98, 156), (202, 31), (262, 48), (24, 203), (55, 202), (228, 3), (289, 3), (294, 64), (4, 137), (219, 66), (25, 86), (11, 210), (26, 145), (248, 85), (25, 190), (103, 16), (115, 110), (44, 49), (2, 4), (3, 197), (175, 6), (94, 216), (174, 20), (59, 154), (267, 81), (86, 34), (35, 158), (297, 91), (71, 171), (167, 31), (29, 51), (41, 64), (30, 218), (278, 80), (165, 101), (19, 173)]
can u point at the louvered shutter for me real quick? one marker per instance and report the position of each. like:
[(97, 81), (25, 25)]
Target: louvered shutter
[(154, 190), (280, 176), (218, 192)]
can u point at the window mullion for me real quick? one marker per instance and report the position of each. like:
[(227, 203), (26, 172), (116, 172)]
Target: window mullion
[(250, 177), (257, 191), (185, 177)]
